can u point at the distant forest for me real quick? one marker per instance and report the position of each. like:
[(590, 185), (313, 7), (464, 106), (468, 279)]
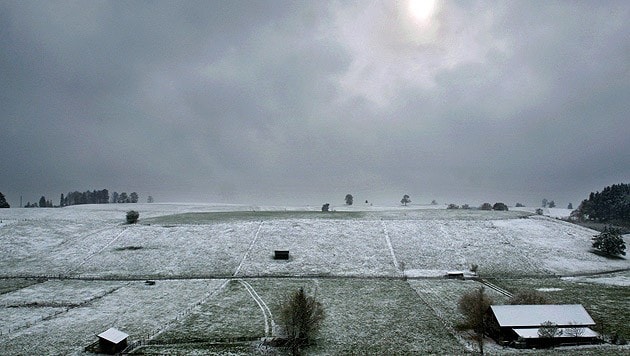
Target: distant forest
[(611, 205), (97, 197), (87, 197)]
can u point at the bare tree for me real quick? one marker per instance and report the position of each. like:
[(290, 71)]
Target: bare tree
[(573, 330), (474, 305), (549, 330)]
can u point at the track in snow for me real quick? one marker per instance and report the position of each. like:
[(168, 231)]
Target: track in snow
[(269, 323), (251, 246), (389, 244)]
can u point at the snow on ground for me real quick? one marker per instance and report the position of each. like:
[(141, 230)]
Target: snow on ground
[(93, 241), (317, 247), (135, 307), (548, 289), (621, 281)]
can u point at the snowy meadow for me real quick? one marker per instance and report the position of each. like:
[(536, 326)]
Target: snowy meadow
[(68, 274)]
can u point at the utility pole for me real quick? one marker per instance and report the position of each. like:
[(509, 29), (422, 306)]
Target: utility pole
[(20, 200)]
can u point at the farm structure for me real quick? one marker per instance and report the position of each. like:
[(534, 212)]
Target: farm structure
[(520, 325), (281, 255), (112, 341)]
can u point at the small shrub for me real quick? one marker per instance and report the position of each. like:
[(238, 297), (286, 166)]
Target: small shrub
[(529, 297), (473, 305), (474, 267), (486, 206), (132, 217), (452, 206)]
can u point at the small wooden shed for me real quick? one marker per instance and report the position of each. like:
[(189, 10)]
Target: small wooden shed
[(281, 255), (112, 341), (455, 275)]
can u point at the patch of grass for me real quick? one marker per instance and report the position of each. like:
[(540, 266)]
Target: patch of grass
[(378, 317), (200, 348), (8, 285), (128, 248), (223, 216), (232, 314)]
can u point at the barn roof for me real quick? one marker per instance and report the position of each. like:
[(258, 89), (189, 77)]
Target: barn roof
[(113, 335), (534, 315)]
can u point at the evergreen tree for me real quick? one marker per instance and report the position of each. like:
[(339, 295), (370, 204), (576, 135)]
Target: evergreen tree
[(42, 202), (612, 204), (133, 197), (3, 201), (123, 198), (349, 199), (610, 242)]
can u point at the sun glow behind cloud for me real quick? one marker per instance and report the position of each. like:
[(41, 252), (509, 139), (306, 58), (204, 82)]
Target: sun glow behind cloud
[(406, 44), (422, 10)]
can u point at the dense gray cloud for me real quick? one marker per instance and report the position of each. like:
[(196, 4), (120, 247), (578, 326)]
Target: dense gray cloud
[(303, 102)]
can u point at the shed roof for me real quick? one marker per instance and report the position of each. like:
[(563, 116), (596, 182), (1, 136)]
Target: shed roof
[(532, 333), (534, 315), (113, 335)]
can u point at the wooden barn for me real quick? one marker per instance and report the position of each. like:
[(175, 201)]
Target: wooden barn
[(519, 325), (112, 341)]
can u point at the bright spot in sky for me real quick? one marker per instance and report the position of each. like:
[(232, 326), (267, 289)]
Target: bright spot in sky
[(422, 10)]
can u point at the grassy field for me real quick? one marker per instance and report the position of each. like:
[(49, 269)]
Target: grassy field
[(68, 274), (225, 216)]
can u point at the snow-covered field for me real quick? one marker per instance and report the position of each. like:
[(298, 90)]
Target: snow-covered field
[(91, 269)]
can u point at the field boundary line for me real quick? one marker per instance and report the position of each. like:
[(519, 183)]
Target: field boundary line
[(448, 326), (389, 245), (63, 310), (124, 229), (180, 316), (249, 249)]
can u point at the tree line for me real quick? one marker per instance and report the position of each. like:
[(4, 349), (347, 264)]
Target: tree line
[(88, 197), (612, 204)]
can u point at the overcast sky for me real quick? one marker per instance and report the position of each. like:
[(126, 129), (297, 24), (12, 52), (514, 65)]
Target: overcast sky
[(304, 101)]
